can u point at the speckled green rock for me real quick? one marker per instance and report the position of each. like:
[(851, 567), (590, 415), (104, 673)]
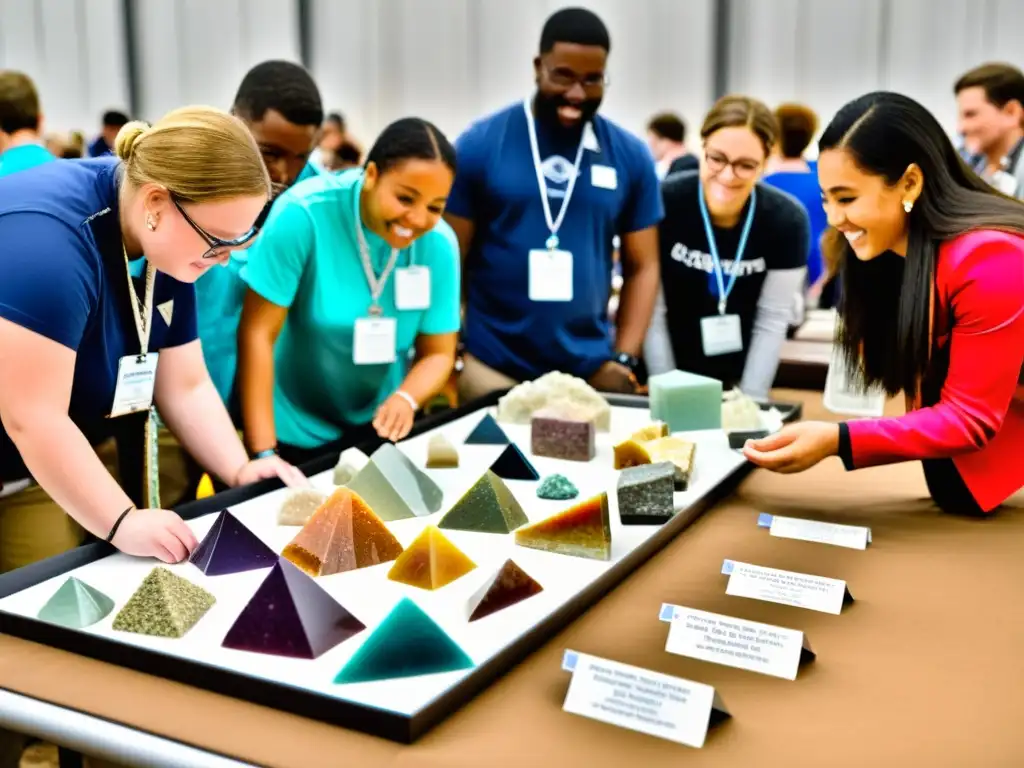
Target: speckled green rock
[(164, 605), (557, 488)]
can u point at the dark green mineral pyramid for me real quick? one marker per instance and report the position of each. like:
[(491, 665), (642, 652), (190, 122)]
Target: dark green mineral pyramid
[(164, 605), (76, 605)]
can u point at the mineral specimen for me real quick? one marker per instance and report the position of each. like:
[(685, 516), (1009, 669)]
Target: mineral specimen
[(645, 494), (583, 530)]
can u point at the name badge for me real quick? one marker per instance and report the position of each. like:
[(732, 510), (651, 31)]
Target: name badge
[(800, 590), (720, 335), (412, 288), (641, 700), (550, 275), (604, 177), (734, 642), (136, 380), (374, 340), (846, 392)]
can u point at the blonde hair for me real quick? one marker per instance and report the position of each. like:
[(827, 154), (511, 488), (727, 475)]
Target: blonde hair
[(737, 111), (200, 154)]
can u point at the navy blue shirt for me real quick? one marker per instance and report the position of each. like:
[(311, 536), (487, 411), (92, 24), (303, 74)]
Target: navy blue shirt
[(63, 277), (496, 187)]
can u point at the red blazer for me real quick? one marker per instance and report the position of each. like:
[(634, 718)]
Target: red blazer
[(978, 421)]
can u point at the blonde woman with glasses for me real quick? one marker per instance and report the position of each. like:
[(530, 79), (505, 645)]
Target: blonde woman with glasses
[(98, 329), (733, 257)]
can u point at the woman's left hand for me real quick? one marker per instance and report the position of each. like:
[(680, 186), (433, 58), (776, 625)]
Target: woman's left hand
[(795, 447), (272, 466), (394, 418)]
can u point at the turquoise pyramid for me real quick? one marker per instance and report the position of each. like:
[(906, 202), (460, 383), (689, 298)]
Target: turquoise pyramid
[(407, 643), (76, 605)]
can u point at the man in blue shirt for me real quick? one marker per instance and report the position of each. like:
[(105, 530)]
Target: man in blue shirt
[(543, 188), (21, 145), (113, 122)]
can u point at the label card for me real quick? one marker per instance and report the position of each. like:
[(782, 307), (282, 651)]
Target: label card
[(850, 536), (136, 380), (732, 642), (721, 335), (604, 177), (412, 288), (550, 275), (641, 700), (801, 590), (374, 340)]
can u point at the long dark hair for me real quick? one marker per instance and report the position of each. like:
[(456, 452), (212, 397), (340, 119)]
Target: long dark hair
[(886, 302)]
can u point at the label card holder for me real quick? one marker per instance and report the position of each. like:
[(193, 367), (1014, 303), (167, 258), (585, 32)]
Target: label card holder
[(136, 380), (412, 288), (721, 335), (550, 275), (849, 536), (640, 700), (738, 643), (604, 177), (374, 340), (800, 590)]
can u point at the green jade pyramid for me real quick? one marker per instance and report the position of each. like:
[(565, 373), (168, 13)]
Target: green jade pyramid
[(76, 605), (408, 643)]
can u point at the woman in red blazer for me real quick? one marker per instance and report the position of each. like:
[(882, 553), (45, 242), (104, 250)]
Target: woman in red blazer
[(932, 262)]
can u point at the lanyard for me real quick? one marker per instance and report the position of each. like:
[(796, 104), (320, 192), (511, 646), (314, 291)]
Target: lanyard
[(553, 224), (376, 283), (141, 312), (723, 291)]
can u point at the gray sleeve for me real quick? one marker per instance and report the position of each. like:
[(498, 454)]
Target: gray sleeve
[(658, 355), (779, 294)]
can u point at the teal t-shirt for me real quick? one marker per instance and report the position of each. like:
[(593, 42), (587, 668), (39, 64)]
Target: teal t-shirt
[(219, 296), (24, 157), (308, 261)]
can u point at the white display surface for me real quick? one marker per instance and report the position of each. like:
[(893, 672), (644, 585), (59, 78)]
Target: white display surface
[(370, 595)]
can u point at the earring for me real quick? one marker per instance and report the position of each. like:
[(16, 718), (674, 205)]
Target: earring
[(908, 206), (150, 224)]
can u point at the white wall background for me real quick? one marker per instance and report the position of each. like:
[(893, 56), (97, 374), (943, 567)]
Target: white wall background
[(454, 60)]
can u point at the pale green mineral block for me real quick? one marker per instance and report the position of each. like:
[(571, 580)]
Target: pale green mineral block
[(686, 401), (76, 605)]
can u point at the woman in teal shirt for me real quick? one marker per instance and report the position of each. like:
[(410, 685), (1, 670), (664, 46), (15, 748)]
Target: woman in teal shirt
[(352, 310)]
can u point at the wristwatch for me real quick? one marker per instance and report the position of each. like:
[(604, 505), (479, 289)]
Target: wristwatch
[(628, 360)]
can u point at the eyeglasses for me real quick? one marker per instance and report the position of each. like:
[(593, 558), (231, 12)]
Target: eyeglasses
[(744, 168), (566, 78), (215, 245)]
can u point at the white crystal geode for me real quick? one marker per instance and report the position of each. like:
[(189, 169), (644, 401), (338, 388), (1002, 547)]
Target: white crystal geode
[(557, 392)]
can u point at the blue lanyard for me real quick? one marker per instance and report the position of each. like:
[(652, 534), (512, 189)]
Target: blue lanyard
[(723, 291)]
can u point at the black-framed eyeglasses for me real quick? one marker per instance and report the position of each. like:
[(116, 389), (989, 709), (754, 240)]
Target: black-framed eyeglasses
[(744, 168), (217, 244), (566, 78)]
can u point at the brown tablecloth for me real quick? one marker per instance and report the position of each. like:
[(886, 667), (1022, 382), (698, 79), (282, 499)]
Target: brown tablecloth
[(924, 669)]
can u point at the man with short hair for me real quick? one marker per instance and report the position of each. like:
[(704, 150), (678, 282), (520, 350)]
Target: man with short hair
[(113, 122), (543, 188), (280, 103), (666, 137), (21, 121), (990, 103)]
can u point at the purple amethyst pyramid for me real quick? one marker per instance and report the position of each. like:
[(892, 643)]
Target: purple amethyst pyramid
[(230, 547), (291, 615)]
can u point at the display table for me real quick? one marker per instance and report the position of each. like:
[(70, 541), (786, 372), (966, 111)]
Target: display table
[(902, 677), (804, 359)]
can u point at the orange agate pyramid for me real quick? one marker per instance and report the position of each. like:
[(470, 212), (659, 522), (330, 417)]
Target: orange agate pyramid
[(342, 535), (430, 562), (582, 530)]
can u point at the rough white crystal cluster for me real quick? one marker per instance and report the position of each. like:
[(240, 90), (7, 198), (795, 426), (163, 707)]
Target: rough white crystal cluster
[(554, 391)]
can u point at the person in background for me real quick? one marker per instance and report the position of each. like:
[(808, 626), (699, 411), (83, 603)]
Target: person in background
[(933, 307), (733, 257), (352, 313), (332, 139), (279, 102), (666, 138), (990, 103), (113, 122), (348, 156), (544, 186), (21, 123), (789, 171)]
